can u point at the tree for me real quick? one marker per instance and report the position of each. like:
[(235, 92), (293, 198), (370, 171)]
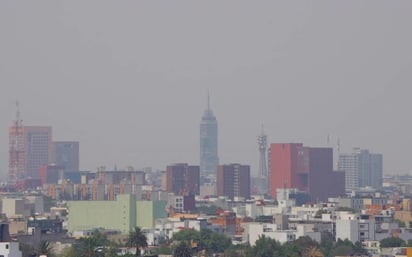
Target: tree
[(165, 250), (319, 213), (400, 223), (359, 249), (88, 246), (327, 242), (183, 249), (187, 235), (313, 251), (214, 242), (392, 242), (236, 250), (27, 250), (265, 247), (69, 252), (45, 248), (346, 247), (206, 239), (137, 239)]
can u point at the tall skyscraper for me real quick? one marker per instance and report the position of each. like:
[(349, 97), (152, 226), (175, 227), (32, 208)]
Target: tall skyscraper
[(30, 148), (208, 143), (233, 180), (362, 169), (66, 155), (182, 179)]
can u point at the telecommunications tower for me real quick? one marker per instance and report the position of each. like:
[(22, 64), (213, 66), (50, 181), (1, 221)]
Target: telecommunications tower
[(262, 144)]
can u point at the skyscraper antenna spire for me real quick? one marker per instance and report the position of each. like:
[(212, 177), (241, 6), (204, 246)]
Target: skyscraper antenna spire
[(208, 100), (18, 118)]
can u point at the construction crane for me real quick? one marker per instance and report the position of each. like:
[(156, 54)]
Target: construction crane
[(16, 149)]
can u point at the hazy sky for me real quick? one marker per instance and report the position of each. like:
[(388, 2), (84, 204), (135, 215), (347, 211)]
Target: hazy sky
[(129, 79)]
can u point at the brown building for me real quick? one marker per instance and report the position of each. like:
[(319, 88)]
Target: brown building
[(233, 180), (51, 174), (323, 181), (182, 179), (227, 221)]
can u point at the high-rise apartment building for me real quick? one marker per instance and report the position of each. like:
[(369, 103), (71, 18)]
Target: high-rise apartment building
[(30, 148), (323, 181), (362, 169), (182, 179), (208, 143), (233, 180), (288, 167), (66, 155), (310, 170)]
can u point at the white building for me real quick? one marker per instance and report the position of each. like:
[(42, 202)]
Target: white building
[(256, 230), (15, 207), (168, 227), (304, 212), (253, 231), (10, 249)]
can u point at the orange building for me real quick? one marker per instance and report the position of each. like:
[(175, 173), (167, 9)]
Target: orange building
[(227, 220)]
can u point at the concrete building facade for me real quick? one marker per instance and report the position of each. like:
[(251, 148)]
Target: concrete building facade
[(183, 179), (123, 214), (233, 180), (66, 155), (288, 167), (323, 181), (362, 169)]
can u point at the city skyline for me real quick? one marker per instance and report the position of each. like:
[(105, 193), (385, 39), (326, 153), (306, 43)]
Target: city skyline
[(132, 94)]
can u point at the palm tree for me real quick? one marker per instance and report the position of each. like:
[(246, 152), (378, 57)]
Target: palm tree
[(88, 246), (45, 248), (137, 239)]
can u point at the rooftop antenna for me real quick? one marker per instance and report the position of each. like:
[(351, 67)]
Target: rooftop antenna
[(208, 100), (18, 120), (338, 153), (285, 182), (338, 145)]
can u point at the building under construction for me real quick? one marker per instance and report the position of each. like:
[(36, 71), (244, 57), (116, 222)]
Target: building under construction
[(30, 147)]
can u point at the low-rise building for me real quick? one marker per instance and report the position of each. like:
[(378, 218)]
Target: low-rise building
[(123, 214)]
